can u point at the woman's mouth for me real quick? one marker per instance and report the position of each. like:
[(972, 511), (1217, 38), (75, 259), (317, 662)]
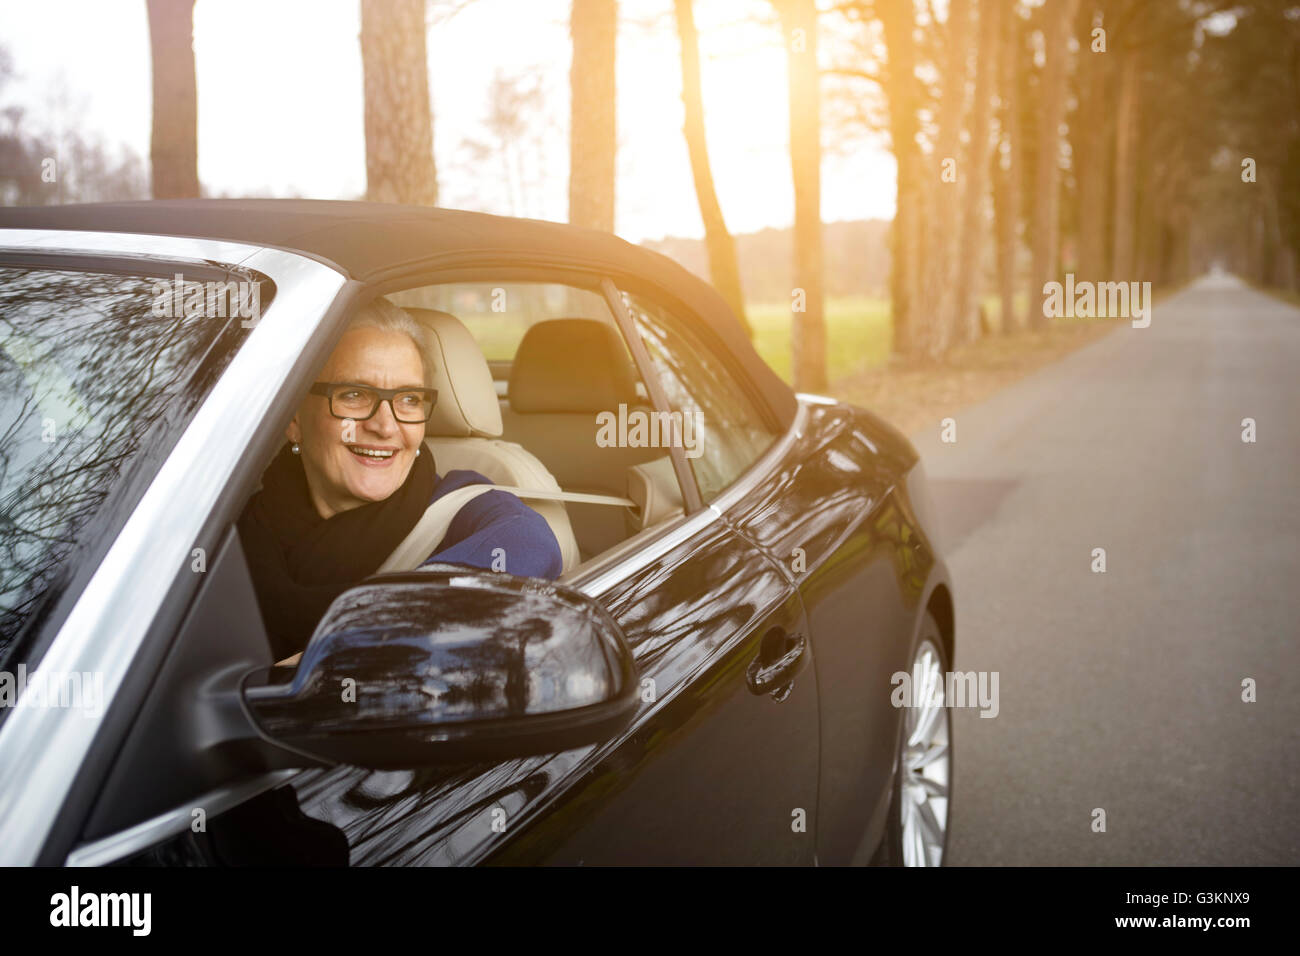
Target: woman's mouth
[(372, 455)]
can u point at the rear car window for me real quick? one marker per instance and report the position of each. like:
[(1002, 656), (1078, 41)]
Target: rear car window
[(98, 372), (729, 433), (498, 314)]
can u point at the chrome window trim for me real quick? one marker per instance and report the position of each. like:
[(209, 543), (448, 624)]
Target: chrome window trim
[(173, 822), (753, 476), (45, 747), (120, 243)]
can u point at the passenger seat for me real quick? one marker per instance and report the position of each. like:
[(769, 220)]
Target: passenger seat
[(465, 428), (565, 373)]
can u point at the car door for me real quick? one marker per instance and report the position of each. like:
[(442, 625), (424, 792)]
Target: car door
[(719, 765), (829, 512)]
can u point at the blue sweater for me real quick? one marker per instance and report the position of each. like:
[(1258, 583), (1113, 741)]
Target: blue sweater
[(496, 519)]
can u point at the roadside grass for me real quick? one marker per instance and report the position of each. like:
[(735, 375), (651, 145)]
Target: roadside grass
[(859, 334), (915, 394)]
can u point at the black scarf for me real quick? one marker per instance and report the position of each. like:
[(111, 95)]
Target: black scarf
[(300, 562)]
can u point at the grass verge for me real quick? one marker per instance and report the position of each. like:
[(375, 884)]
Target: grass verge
[(912, 394)]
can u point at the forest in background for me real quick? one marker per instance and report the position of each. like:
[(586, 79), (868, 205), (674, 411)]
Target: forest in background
[(1114, 140)]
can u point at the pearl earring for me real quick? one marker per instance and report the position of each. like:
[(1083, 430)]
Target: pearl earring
[(417, 453), (295, 449)]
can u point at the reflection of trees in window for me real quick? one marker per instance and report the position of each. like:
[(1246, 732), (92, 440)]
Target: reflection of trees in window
[(693, 381), (88, 376)]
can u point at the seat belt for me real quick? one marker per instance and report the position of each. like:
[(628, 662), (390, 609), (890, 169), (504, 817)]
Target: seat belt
[(437, 518)]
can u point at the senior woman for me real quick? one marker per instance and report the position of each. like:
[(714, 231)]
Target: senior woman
[(355, 478)]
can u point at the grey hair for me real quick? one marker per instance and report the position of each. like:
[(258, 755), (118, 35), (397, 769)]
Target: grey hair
[(384, 315)]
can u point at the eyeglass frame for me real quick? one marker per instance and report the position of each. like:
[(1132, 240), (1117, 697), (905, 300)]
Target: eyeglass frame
[(381, 395)]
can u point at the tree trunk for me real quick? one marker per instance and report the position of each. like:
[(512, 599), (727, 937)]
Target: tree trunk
[(897, 19), (970, 259), (398, 118), (1047, 183), (593, 134), (1092, 149), (174, 149), (944, 206), (1121, 258), (808, 331), (1007, 193), (723, 266)]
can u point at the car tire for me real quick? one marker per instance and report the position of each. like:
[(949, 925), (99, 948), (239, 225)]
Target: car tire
[(922, 792)]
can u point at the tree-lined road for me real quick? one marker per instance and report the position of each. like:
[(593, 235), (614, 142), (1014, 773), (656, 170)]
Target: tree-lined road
[(1123, 690)]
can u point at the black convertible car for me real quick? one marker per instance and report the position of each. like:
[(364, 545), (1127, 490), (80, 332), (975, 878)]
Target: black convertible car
[(709, 681)]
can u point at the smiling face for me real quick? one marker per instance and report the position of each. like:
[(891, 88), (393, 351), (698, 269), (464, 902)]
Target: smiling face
[(346, 470)]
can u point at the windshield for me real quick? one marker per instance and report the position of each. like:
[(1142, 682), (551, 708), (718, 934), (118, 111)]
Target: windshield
[(96, 371)]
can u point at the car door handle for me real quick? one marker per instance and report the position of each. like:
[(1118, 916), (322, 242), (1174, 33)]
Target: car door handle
[(779, 659)]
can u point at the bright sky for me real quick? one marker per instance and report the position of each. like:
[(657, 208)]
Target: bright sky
[(280, 104)]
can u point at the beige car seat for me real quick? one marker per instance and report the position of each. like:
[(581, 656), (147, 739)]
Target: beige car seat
[(465, 428)]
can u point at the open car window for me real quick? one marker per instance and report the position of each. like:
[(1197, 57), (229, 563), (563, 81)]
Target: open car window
[(570, 395)]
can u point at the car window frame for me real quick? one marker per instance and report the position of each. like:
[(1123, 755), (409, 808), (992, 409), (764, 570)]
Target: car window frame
[(591, 280), (169, 632), (67, 781), (717, 352), (611, 566), (102, 530)]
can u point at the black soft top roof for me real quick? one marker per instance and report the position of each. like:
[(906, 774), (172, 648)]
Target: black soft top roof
[(368, 240)]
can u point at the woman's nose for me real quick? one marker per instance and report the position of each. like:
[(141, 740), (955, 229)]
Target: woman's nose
[(383, 421)]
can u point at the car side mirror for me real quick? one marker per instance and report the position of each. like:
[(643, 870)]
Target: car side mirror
[(449, 665)]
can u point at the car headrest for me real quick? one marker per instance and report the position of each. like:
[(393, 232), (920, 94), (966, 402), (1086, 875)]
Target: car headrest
[(571, 365), (467, 399)]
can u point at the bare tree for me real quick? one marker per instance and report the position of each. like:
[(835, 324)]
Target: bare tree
[(897, 19), (723, 265), (970, 257), (808, 331), (944, 206), (1047, 181), (515, 107), (174, 147), (593, 133), (1091, 142), (1126, 113), (1006, 187), (398, 116)]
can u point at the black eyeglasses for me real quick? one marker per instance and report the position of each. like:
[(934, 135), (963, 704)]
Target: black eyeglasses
[(359, 402)]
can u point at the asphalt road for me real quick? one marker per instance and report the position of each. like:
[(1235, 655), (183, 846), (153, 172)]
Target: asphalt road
[(1122, 691)]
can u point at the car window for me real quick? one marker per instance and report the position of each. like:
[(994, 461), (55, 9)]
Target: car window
[(499, 313), (94, 369), (570, 395), (730, 433)]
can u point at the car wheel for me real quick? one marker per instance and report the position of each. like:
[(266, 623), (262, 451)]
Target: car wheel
[(917, 830)]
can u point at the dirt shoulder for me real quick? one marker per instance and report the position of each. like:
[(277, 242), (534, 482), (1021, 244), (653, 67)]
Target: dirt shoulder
[(912, 396)]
